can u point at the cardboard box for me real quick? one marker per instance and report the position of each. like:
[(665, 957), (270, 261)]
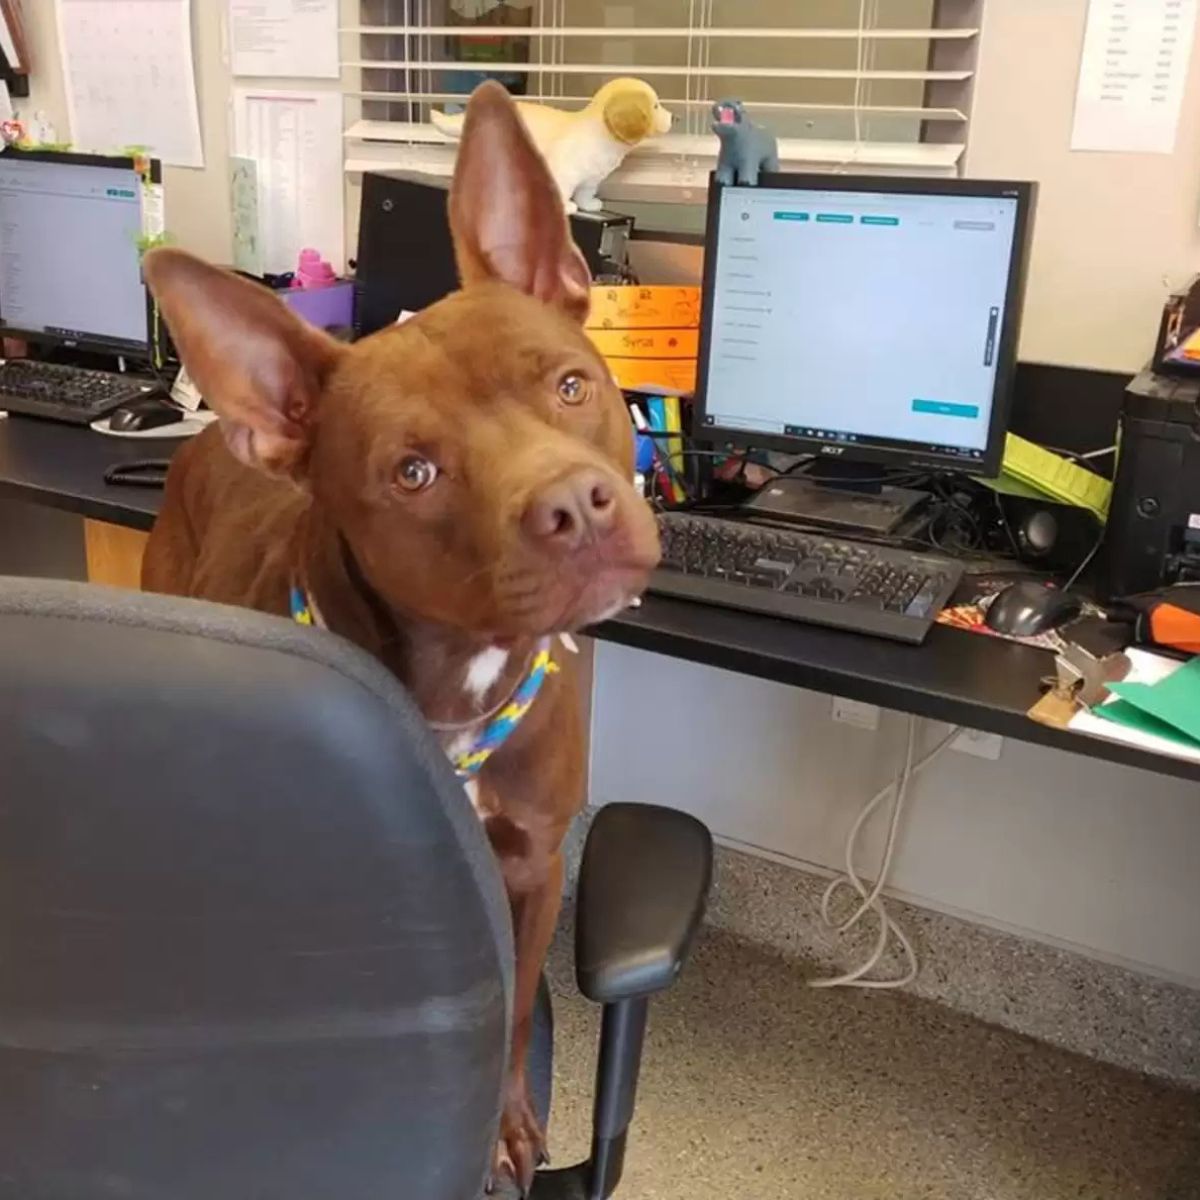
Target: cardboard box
[(667, 374), (646, 343), (644, 308)]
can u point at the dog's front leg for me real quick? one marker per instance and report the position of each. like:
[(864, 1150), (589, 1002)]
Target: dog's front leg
[(527, 800), (522, 1144), (533, 878), (586, 199)]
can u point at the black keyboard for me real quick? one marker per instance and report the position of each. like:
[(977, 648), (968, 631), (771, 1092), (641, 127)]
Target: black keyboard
[(880, 590), (60, 393)]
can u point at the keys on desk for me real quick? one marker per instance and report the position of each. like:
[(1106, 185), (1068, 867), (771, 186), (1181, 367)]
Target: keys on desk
[(880, 590)]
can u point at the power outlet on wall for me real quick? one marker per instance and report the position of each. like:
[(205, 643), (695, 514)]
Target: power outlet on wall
[(853, 712), (978, 743)]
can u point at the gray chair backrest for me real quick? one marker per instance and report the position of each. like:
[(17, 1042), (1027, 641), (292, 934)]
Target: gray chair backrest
[(253, 943)]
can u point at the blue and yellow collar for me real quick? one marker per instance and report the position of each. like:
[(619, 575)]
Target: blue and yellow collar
[(497, 729)]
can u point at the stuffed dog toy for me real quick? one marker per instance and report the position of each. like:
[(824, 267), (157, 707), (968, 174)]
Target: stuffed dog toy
[(450, 494), (582, 148)]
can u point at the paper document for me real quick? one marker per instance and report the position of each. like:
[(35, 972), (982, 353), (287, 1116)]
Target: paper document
[(294, 38), (154, 213), (243, 197), (1132, 74), (129, 78), (295, 140)]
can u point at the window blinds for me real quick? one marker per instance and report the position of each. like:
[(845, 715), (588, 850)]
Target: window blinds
[(846, 85)]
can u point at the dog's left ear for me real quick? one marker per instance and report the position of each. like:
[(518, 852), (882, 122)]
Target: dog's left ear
[(255, 362), (506, 214), (629, 116)]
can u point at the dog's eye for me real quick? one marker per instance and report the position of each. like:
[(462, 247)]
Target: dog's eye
[(572, 389), (415, 474)]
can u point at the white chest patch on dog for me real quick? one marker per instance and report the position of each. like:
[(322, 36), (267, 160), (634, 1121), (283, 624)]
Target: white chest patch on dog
[(483, 670), (459, 745), (472, 789)]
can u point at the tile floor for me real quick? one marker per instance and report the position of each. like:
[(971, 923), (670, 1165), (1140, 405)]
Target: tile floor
[(756, 1087)]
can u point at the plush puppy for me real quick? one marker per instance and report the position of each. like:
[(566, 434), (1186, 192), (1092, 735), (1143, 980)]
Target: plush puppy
[(582, 148)]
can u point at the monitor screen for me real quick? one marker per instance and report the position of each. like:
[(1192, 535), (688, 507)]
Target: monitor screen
[(69, 263), (874, 323)]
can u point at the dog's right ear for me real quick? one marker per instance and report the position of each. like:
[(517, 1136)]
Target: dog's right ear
[(506, 214), (256, 363)]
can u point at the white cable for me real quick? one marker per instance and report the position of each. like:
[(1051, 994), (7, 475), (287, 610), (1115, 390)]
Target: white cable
[(860, 65), (872, 900)]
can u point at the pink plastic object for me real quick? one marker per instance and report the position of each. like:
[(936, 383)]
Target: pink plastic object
[(312, 271)]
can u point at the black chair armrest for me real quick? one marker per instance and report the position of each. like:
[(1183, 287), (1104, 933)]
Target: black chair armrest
[(642, 891)]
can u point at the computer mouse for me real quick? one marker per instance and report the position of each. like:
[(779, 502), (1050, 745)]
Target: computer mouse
[(143, 414), (1029, 607)]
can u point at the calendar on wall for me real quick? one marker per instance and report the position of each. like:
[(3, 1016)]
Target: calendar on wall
[(129, 77)]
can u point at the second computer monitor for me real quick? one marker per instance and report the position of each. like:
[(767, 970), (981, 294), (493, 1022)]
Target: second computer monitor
[(864, 318), (70, 263)]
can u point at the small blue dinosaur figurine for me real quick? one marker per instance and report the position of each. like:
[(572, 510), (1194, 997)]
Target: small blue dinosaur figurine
[(746, 148)]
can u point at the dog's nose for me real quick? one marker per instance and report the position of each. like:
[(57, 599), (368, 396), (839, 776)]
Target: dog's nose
[(572, 511)]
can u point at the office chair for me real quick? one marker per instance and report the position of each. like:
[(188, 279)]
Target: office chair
[(253, 943)]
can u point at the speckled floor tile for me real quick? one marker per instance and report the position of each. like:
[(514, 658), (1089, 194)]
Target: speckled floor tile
[(1098, 1009), (756, 1087)]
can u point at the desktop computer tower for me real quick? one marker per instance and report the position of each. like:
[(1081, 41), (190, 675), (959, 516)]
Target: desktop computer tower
[(405, 257), (1153, 534)]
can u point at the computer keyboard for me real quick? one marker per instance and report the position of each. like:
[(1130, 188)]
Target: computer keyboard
[(60, 393), (880, 590)]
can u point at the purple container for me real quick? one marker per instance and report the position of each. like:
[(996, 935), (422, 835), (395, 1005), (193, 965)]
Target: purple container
[(325, 307)]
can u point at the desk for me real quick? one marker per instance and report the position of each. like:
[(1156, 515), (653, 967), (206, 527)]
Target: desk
[(956, 677)]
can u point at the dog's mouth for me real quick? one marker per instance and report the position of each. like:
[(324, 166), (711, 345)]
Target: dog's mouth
[(603, 597), (726, 114), (592, 588)]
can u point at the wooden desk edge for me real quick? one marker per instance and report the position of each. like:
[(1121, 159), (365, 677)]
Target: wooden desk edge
[(114, 553)]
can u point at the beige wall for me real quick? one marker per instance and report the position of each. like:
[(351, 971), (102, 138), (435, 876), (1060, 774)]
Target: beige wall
[(197, 200), (198, 212), (1113, 231)]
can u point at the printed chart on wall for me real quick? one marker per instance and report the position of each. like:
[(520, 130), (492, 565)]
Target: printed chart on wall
[(129, 77), (1132, 74), (295, 142)]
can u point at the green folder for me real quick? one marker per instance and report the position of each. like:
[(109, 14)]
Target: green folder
[(1169, 708)]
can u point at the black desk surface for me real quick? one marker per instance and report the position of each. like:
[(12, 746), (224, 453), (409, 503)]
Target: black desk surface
[(957, 677), (63, 466)]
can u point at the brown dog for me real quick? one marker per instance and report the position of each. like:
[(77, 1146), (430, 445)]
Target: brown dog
[(445, 492)]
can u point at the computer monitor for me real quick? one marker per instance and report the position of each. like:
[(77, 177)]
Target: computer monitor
[(70, 269), (863, 319)]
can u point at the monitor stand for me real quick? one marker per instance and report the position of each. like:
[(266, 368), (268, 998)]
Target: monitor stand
[(847, 497)]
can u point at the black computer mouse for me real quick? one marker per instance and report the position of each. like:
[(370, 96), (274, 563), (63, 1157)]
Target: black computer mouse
[(1029, 607), (143, 414)]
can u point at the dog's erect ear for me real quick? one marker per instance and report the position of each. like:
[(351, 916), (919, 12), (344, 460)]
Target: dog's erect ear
[(506, 214), (256, 363), (629, 116)]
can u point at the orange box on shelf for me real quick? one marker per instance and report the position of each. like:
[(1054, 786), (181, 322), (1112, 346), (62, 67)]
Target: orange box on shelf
[(644, 308), (646, 343), (670, 374)]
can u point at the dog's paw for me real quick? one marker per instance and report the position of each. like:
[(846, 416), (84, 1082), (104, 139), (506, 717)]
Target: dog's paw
[(591, 204), (521, 1148)]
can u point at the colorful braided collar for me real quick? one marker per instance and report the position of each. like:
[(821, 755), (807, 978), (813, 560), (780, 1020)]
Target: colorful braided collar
[(495, 730)]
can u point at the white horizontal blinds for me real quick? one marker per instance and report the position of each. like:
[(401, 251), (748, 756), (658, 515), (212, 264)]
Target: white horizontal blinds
[(877, 85)]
